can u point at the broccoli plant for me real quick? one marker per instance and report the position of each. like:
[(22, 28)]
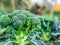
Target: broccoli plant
[(24, 31), (22, 27), (5, 20)]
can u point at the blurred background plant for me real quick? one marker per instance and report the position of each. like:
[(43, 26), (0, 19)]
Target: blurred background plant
[(7, 6)]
